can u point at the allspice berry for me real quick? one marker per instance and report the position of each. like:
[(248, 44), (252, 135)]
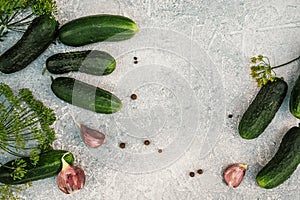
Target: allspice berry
[(146, 142), (200, 171), (122, 145), (133, 96), (192, 174)]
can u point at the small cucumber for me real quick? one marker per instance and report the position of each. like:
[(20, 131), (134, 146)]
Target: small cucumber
[(36, 39), (262, 109), (97, 28), (284, 162), (85, 96), (294, 103), (90, 61), (49, 165)]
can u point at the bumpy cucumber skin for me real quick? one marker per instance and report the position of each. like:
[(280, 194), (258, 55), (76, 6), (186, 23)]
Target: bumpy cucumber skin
[(294, 103), (49, 165), (36, 39), (262, 109), (90, 62), (85, 96), (97, 28), (284, 162)]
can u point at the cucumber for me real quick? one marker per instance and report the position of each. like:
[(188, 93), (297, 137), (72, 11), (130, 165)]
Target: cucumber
[(49, 165), (97, 28), (262, 109), (284, 162), (90, 62), (36, 39), (85, 96), (294, 103)]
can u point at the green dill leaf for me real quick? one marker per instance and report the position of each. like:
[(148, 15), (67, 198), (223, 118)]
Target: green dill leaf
[(34, 157), (44, 7), (19, 170), (15, 15)]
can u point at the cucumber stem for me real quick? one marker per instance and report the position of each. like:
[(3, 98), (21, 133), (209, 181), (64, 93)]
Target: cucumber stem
[(44, 71)]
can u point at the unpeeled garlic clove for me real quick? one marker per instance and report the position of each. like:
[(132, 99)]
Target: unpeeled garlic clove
[(71, 178), (91, 137), (234, 174)]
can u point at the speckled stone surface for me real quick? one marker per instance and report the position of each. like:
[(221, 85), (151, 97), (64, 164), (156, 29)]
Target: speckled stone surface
[(192, 72)]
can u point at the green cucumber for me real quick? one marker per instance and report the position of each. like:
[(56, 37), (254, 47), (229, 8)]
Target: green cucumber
[(90, 61), (294, 103), (284, 162), (262, 109), (85, 96), (36, 39), (97, 28), (49, 165)]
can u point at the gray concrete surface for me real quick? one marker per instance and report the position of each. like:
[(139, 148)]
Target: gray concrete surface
[(192, 72)]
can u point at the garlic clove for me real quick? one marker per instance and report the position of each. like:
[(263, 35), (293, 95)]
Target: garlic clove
[(71, 178), (234, 174), (91, 137)]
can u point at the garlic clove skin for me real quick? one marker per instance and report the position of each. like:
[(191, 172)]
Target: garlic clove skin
[(234, 174), (91, 137), (70, 179)]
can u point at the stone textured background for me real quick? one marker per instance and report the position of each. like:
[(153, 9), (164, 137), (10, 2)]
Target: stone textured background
[(192, 73)]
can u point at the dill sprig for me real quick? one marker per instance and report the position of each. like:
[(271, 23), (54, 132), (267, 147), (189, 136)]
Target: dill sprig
[(24, 129), (24, 123), (15, 15), (262, 71)]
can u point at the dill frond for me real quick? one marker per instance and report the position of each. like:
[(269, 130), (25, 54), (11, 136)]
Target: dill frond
[(25, 131), (24, 123), (15, 15)]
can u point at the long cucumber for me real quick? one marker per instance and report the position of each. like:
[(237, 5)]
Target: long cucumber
[(85, 96), (36, 39), (97, 28)]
